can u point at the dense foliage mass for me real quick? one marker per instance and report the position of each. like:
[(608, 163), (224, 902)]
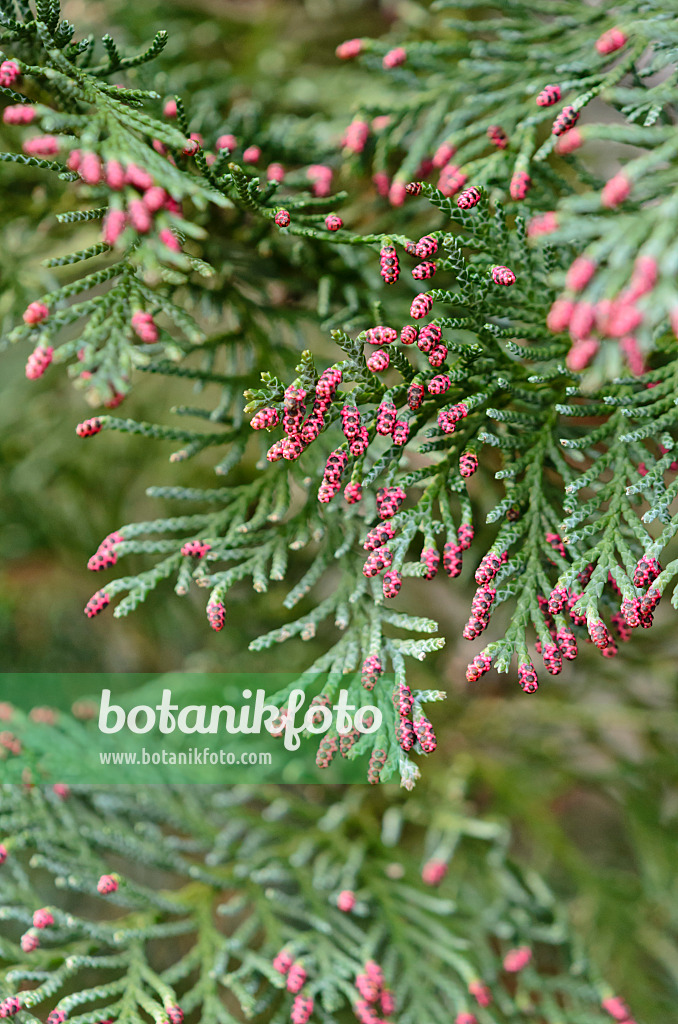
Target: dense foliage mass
[(223, 905), (427, 331)]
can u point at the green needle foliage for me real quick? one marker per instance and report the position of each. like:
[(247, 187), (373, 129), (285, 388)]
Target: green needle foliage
[(126, 904)]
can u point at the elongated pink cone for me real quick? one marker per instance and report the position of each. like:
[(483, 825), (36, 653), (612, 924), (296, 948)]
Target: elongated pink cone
[(616, 191)]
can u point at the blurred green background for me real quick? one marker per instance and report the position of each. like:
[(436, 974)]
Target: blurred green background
[(586, 770)]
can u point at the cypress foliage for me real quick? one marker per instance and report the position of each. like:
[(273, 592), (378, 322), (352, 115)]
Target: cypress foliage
[(542, 351), (459, 361), (123, 903)]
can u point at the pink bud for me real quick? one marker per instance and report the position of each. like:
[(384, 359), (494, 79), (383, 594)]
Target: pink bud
[(624, 318), (38, 362), (154, 198), (559, 315), (452, 179), (275, 172), (107, 884), (113, 226), (88, 428), (356, 136), (381, 182), (90, 168), (144, 327), (114, 401), (381, 122), (42, 146), (367, 988), (20, 114), (542, 224), (611, 41), (346, 900), (634, 357), (42, 918), (443, 154), (29, 942), (9, 73), (645, 274), (138, 177), (348, 49), (321, 176), (228, 142), (169, 240), (581, 354), (374, 973), (581, 320), (251, 155), (139, 216), (379, 361), (282, 961), (580, 273), (602, 312), (316, 172), (481, 992), (35, 313), (433, 872), (296, 978), (616, 191), (397, 193), (387, 1002), (616, 1007), (115, 175), (568, 142), (394, 58), (170, 108), (516, 959)]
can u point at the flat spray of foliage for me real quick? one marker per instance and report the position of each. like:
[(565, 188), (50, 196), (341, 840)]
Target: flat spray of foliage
[(133, 903), (545, 357)]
